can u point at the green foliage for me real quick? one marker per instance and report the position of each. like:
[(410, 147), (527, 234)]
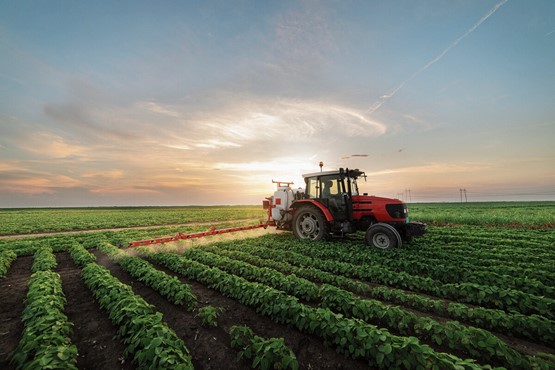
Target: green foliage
[(6, 259), (533, 327), (265, 354), (80, 255), (499, 278), (45, 342), (350, 336), (289, 283), (36, 220), (148, 338), (168, 286), (350, 260), (44, 260), (515, 214), (208, 315), (481, 344)]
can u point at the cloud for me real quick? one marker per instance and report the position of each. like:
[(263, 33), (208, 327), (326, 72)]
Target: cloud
[(215, 144), (50, 145), (24, 181), (157, 108), (92, 121), (248, 120), (434, 168), (110, 175)]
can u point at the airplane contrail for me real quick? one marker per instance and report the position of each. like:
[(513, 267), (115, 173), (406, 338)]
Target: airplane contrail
[(378, 103)]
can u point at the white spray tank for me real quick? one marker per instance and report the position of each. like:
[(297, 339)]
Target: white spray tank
[(282, 199)]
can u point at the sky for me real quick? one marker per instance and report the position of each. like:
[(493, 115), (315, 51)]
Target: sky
[(110, 103)]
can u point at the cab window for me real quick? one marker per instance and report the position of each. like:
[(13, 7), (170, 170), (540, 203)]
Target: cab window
[(312, 188), (330, 186), (354, 187)]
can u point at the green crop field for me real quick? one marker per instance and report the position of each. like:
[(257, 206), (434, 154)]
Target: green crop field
[(516, 214), (477, 291), (42, 220)]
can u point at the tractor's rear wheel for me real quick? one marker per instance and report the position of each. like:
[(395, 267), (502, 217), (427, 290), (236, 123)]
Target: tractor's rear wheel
[(309, 224), (383, 236)]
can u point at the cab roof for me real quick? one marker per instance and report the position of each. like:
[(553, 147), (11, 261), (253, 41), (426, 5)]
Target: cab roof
[(356, 173)]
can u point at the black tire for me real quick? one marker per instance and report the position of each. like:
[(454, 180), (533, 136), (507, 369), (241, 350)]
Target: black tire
[(382, 236), (309, 224)]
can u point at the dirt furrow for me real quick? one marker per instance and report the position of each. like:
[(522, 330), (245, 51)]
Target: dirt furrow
[(13, 289), (93, 332)]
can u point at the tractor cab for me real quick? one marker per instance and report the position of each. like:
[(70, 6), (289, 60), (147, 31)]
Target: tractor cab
[(334, 190)]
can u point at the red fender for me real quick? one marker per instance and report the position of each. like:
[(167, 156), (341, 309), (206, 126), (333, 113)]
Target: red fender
[(319, 205)]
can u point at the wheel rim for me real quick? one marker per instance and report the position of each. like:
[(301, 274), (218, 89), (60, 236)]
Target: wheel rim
[(381, 240), (308, 227)]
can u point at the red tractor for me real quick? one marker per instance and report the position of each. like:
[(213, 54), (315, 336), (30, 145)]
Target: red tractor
[(331, 205)]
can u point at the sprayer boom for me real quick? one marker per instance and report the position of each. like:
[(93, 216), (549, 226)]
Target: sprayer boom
[(181, 236)]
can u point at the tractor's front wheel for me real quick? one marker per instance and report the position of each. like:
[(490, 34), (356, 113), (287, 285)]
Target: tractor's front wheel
[(309, 224), (383, 236)]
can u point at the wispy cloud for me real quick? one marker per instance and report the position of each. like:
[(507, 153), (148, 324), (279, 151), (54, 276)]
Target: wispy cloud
[(50, 145), (384, 98), (249, 120), (25, 181), (110, 175)]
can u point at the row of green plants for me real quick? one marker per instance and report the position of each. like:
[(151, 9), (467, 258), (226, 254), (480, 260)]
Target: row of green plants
[(352, 337), (424, 250), (6, 259), (21, 247), (80, 255), (45, 342), (531, 278), (528, 237), (331, 259), (265, 353), (472, 250), (290, 283), (477, 342), (480, 254), (44, 260), (264, 257), (151, 342), (535, 328), (448, 272), (168, 286)]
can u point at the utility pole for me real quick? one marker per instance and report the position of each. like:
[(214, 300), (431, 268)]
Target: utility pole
[(461, 190)]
